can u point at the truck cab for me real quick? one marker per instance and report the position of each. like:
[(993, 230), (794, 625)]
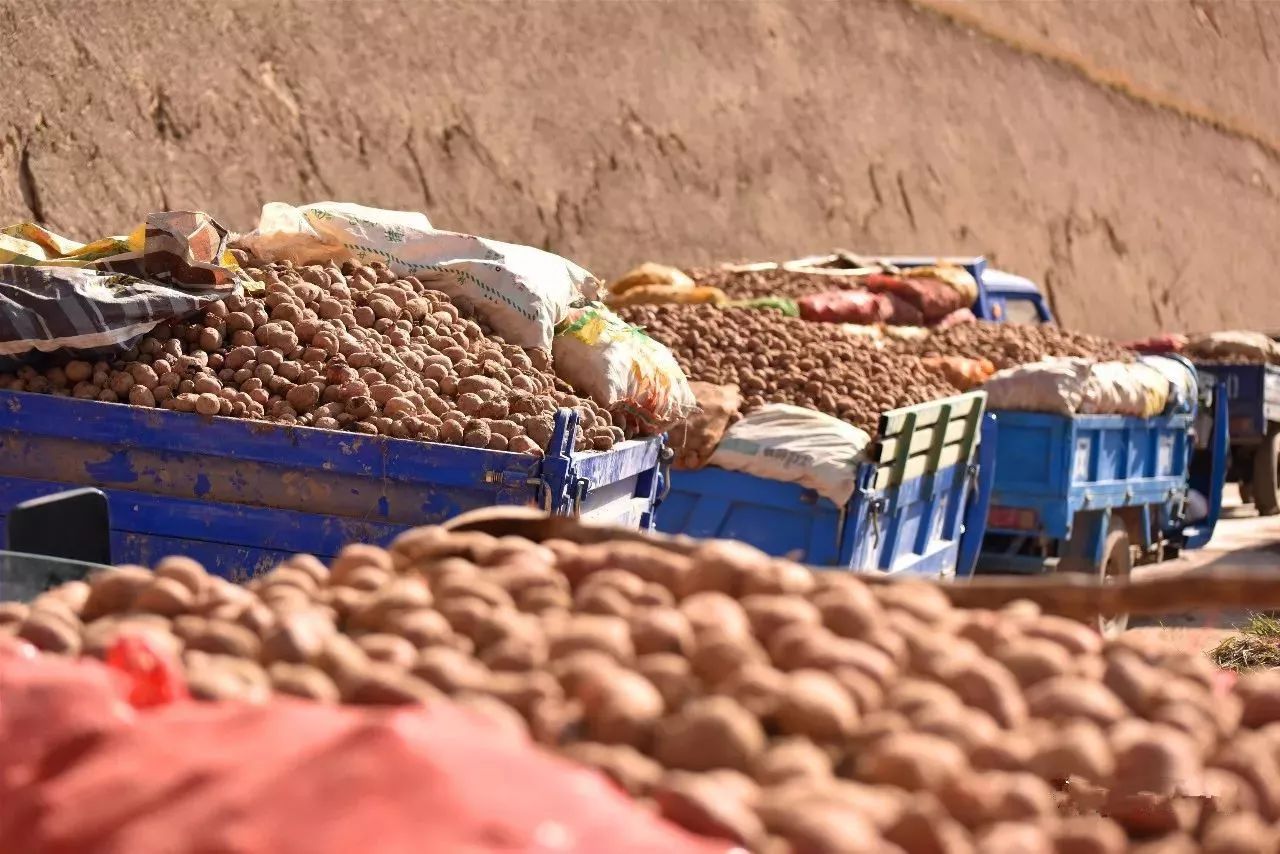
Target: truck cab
[(1006, 298)]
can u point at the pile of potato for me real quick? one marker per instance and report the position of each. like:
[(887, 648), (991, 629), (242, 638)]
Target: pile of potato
[(1008, 345), (776, 282), (740, 696), (777, 359), (348, 347)]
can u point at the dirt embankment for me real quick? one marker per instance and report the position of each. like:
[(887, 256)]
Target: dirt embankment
[(688, 132)]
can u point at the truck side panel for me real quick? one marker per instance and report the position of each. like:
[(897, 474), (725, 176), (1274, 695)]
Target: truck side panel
[(241, 493)]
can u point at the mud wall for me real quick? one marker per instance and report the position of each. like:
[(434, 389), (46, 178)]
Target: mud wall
[(1121, 154)]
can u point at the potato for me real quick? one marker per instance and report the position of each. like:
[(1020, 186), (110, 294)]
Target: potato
[(1077, 638), (225, 677), (923, 825), (920, 599), (757, 687), (814, 705), (911, 761), (659, 630), (298, 638), (1260, 692), (388, 649), (610, 635), (671, 675), (719, 656), (849, 610), (635, 773), (113, 591), (1079, 749), (503, 717), (767, 614), (50, 634), (621, 708), (716, 612), (790, 759), (1088, 835), (1153, 758), (1014, 838), (302, 680), (700, 805), (779, 578), (709, 733), (1239, 834), (722, 566), (450, 671), (524, 691), (968, 728), (825, 827), (987, 685), (224, 638), (383, 684), (1070, 697), (1033, 660)]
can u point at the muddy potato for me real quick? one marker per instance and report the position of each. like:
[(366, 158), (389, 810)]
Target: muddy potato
[(709, 733), (631, 770), (705, 807), (302, 680)]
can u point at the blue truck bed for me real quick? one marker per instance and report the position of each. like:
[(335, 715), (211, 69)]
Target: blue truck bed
[(239, 495), (1058, 465), (907, 514), (1080, 487), (1253, 392)]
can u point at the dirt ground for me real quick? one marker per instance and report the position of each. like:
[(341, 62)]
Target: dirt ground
[(1242, 541), (1124, 155)]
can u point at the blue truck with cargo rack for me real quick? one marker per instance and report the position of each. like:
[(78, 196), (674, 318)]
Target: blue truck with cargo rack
[(917, 507), (1002, 297), (1098, 494), (1253, 394), (239, 495)]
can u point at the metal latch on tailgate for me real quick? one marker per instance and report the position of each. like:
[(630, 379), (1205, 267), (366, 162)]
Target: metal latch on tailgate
[(875, 509)]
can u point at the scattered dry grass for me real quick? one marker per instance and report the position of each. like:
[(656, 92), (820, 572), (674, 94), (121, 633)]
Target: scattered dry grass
[(1256, 647)]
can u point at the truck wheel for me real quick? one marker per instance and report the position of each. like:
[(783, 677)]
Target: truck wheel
[(1117, 563), (1246, 492), (1266, 476)]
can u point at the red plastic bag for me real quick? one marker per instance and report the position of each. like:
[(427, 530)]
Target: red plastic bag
[(935, 299), (153, 680), (859, 306), (955, 318), (903, 312), (1157, 344), (290, 777)]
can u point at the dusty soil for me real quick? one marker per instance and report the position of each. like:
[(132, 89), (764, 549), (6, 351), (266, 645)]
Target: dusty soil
[(688, 132)]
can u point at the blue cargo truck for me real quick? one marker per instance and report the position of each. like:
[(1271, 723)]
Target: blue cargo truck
[(241, 495), (1253, 393), (1002, 297), (1098, 494), (917, 507)]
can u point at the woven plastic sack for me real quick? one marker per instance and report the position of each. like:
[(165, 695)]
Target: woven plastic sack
[(957, 278), (667, 295), (1052, 385), (624, 370), (964, 373), (857, 306), (933, 298), (1184, 384), (650, 274), (1078, 386), (81, 772), (696, 438), (955, 318), (97, 299), (1236, 345), (796, 445), (1166, 343), (1120, 388), (521, 291)]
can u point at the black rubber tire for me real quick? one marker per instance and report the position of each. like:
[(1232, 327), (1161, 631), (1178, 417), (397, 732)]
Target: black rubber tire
[(1266, 475), (1117, 564), (1246, 492)]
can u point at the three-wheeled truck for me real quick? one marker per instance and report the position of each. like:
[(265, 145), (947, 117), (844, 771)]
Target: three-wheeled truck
[(1253, 393), (239, 496), (917, 506)]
